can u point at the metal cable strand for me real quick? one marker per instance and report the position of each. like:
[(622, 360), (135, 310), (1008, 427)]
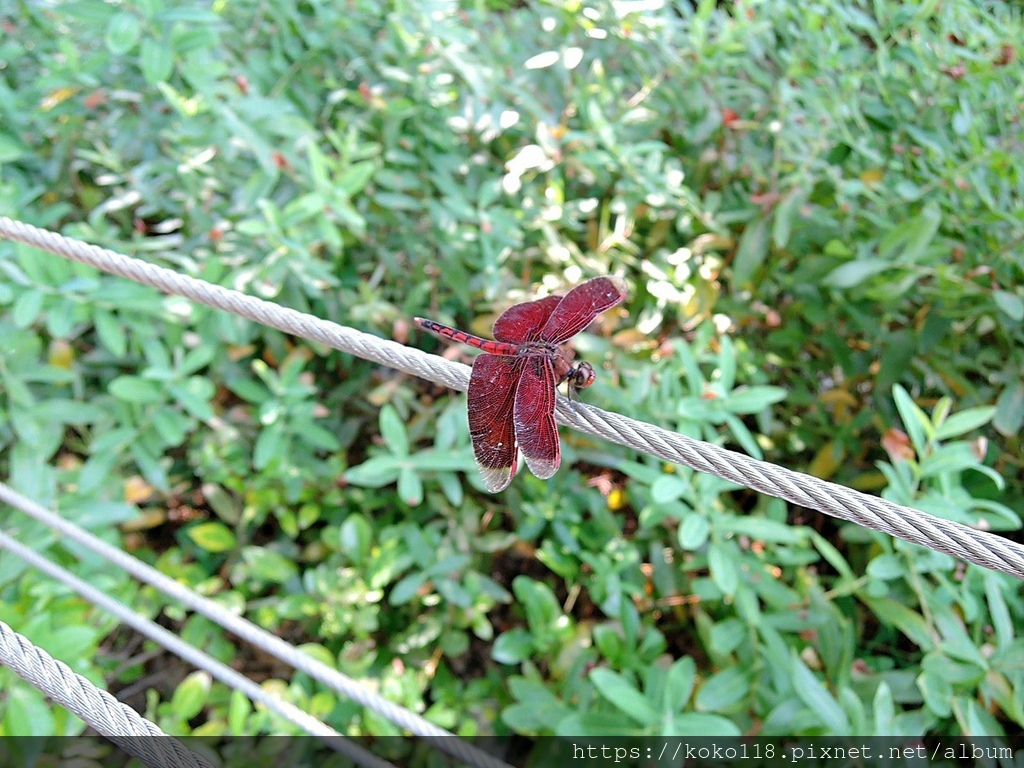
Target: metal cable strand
[(383, 351), (912, 525), (253, 634), (118, 722), (194, 656)]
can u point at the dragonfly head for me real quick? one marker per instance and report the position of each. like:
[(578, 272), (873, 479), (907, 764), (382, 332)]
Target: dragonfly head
[(581, 376)]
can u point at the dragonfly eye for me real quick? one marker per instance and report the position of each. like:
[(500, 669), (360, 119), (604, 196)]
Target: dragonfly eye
[(582, 376)]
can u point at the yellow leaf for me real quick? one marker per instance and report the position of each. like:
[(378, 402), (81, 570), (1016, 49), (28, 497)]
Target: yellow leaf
[(872, 176), (827, 460), (62, 354), (147, 519), (137, 490), (841, 403), (56, 97)]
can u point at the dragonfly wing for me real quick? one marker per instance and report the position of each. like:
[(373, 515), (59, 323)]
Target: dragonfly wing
[(578, 308), (535, 417), (492, 389), (523, 322)]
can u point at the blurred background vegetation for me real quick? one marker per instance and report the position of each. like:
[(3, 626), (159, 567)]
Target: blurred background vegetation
[(817, 208)]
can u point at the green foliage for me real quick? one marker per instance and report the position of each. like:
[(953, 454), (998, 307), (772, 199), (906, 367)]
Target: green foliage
[(817, 211), (406, 468)]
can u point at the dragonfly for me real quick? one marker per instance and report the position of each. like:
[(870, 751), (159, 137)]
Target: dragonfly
[(511, 397)]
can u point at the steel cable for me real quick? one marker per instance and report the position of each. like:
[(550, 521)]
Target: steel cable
[(907, 523), (191, 654), (118, 722)]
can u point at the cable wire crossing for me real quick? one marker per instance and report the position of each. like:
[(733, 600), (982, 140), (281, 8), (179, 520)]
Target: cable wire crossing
[(191, 654), (118, 722), (253, 634), (956, 539)]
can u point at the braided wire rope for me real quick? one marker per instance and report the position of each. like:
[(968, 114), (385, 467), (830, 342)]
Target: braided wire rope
[(256, 636), (907, 523), (283, 709), (118, 722)]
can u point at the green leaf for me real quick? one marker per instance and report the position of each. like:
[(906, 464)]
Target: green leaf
[(226, 506), (599, 724), (355, 536), (696, 724), (723, 569), (1009, 417), (170, 423), (26, 308), (191, 695), (110, 332), (406, 589), (135, 389), (60, 318), (536, 709), (512, 647), (213, 537), (722, 691), (949, 460), (354, 179), (318, 437), (909, 622), (751, 252), (668, 488), (761, 529), (1010, 304), (914, 419), (753, 399), (920, 232), (964, 421), (410, 487), (250, 391), (817, 698), (908, 190), (433, 460), (853, 273), (270, 445), (543, 611), (11, 149), (693, 533), (937, 692), (195, 394), (785, 214), (123, 33), (392, 429), (887, 567), (157, 58), (239, 710), (729, 634), (97, 515), (398, 201), (609, 643), (196, 359), (198, 15), (623, 695), (884, 709), (26, 711), (268, 565), (679, 684), (375, 473), (727, 364)]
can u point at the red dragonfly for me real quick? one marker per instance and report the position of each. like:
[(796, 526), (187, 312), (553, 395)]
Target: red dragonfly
[(511, 398)]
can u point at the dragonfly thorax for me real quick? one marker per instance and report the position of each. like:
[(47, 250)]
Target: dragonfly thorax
[(579, 376)]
